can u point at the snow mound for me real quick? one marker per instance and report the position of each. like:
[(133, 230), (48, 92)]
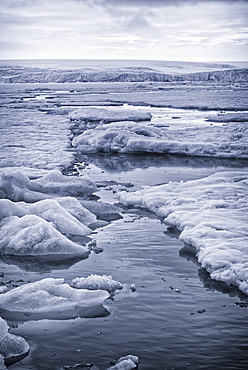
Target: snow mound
[(106, 115), (31, 235), (52, 299), (95, 282), (212, 215), (17, 186), (75, 208), (227, 141), (12, 347)]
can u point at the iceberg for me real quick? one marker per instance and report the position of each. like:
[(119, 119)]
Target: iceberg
[(31, 235), (226, 141), (17, 186), (95, 282), (51, 299), (12, 347), (211, 214), (106, 115)]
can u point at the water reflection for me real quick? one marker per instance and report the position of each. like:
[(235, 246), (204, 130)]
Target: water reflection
[(41, 263), (128, 162)]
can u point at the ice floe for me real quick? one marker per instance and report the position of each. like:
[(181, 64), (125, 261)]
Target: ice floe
[(95, 282), (212, 215), (17, 186), (12, 347), (106, 115), (128, 362), (226, 141), (52, 299)]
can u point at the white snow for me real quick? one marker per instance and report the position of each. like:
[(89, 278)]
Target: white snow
[(10, 345), (17, 186), (95, 282), (54, 299), (212, 215), (228, 141), (106, 115)]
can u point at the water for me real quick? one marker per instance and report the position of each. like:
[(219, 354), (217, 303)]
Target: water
[(178, 317)]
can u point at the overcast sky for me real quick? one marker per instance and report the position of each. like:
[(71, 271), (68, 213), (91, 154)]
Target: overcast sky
[(180, 30)]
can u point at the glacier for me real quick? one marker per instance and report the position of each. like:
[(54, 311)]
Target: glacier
[(211, 214)]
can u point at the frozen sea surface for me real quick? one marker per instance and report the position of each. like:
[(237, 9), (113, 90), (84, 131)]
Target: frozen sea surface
[(170, 312)]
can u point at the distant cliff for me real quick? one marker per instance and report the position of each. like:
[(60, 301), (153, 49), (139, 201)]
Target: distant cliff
[(32, 75)]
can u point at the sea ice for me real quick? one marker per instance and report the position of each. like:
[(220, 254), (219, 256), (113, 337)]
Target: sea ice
[(227, 141), (106, 115), (31, 235), (95, 282), (52, 299), (11, 346), (212, 215), (17, 186)]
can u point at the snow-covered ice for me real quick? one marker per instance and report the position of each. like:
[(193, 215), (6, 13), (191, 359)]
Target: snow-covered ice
[(95, 282), (228, 141), (17, 186), (11, 346), (212, 215), (128, 362), (106, 115), (31, 235), (52, 299)]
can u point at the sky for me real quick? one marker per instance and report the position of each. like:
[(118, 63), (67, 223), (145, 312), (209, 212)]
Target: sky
[(176, 30)]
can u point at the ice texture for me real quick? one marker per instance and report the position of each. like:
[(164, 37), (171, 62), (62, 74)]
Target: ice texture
[(212, 216), (227, 141), (95, 282), (106, 115), (51, 298), (11, 345), (17, 186), (31, 235)]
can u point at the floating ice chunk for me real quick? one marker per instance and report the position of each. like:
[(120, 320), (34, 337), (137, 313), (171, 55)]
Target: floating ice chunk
[(95, 282), (229, 141), (212, 215), (128, 362), (12, 347), (106, 115), (53, 299), (17, 186), (31, 235), (103, 211), (75, 208), (51, 211), (55, 182), (228, 117)]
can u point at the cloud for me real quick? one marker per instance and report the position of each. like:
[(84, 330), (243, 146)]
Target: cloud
[(123, 28)]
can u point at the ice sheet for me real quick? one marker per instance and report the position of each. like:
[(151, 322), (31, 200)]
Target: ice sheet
[(212, 215)]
